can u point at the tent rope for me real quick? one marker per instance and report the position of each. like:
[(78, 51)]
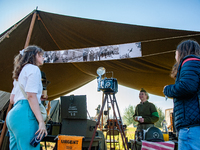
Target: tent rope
[(159, 53), (162, 39), (169, 38), (6, 35), (39, 18)]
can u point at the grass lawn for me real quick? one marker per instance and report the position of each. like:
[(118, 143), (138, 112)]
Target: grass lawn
[(130, 134)]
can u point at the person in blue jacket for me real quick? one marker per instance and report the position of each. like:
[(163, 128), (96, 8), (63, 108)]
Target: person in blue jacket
[(186, 94)]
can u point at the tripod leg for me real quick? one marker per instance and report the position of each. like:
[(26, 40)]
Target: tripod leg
[(124, 140), (109, 126), (101, 126), (106, 98), (120, 119), (120, 130)]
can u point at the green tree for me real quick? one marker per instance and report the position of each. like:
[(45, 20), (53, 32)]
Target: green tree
[(161, 117), (130, 111), (128, 115)]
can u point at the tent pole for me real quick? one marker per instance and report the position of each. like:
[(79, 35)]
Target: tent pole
[(26, 44), (30, 30)]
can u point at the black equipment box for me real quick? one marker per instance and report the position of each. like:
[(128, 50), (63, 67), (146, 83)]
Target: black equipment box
[(73, 107), (78, 127), (53, 128)]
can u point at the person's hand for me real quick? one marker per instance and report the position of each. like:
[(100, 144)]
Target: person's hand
[(43, 98), (42, 130), (137, 118), (141, 120)]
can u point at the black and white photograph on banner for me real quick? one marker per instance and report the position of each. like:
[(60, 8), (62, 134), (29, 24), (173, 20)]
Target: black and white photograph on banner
[(130, 50), (51, 56), (91, 54), (75, 55), (110, 52), (85, 54), (63, 56)]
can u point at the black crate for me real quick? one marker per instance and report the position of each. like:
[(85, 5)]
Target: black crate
[(73, 107)]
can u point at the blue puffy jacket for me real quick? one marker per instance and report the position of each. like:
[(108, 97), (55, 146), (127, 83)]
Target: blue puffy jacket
[(185, 94)]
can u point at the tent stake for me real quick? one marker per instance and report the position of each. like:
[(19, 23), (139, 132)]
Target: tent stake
[(10, 105)]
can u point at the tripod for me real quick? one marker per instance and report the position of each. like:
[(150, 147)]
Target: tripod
[(107, 97)]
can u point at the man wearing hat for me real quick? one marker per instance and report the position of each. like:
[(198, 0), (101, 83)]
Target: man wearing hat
[(145, 113)]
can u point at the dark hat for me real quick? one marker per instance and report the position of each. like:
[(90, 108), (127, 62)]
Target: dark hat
[(143, 90)]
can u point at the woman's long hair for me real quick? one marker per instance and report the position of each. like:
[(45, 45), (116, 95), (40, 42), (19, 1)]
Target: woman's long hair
[(185, 48), (28, 56)]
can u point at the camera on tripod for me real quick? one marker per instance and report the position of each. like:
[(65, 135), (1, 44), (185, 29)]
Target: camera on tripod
[(106, 84)]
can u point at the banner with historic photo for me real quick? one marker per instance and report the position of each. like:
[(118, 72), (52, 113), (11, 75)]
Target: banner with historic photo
[(111, 52)]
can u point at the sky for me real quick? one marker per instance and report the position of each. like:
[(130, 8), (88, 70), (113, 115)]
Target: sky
[(172, 14)]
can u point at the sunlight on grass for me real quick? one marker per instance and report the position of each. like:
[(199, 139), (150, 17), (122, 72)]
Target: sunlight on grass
[(130, 134), (49, 145)]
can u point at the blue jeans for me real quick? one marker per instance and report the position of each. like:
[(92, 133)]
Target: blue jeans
[(22, 125), (189, 138)]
